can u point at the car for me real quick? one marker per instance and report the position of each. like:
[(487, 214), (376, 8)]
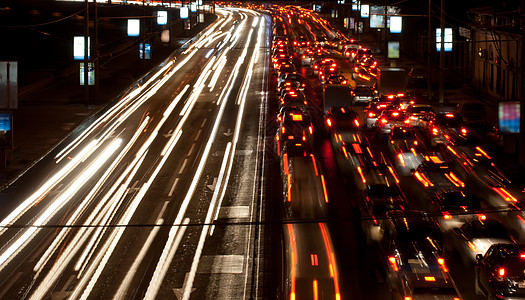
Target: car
[(475, 237), (363, 94), (416, 111), (500, 272), (326, 71), (320, 62), (284, 69), (301, 44), (406, 149), (372, 112), (390, 118), (456, 207), (473, 113), (294, 125), (442, 127), (292, 79), (341, 119), (380, 198), (293, 98), (412, 246), (359, 54), (336, 79), (435, 172)]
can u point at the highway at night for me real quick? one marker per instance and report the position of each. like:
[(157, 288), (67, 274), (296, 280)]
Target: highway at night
[(273, 155)]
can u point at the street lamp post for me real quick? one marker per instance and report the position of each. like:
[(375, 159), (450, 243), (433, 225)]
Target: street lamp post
[(442, 57)]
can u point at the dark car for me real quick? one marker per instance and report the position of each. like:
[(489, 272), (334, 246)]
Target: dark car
[(500, 273), (412, 246)]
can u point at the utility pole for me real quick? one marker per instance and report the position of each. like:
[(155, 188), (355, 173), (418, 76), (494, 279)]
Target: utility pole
[(95, 51), (86, 53), (442, 57), (521, 135), (429, 51)]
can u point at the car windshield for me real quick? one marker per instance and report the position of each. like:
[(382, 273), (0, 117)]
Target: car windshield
[(448, 120), (456, 200), (402, 134), (421, 109), (487, 229)]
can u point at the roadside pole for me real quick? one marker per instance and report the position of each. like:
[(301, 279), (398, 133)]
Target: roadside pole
[(86, 53), (521, 135), (442, 57)]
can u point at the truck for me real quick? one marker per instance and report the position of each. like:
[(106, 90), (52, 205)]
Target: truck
[(391, 81), (337, 95)]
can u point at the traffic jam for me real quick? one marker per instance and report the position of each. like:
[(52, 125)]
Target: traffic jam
[(428, 189)]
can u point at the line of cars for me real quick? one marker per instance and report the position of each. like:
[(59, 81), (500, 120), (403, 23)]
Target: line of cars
[(438, 151), (435, 151)]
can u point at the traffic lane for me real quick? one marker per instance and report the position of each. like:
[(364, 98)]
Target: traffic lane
[(310, 263), (362, 273)]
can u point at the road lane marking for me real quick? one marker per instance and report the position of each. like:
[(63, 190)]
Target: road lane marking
[(234, 212), (173, 187), (191, 150), (183, 166), (221, 264)]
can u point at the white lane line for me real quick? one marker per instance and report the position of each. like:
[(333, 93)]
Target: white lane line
[(157, 278), (191, 150), (173, 187), (203, 122), (183, 166), (124, 286), (198, 135), (205, 229), (9, 284)]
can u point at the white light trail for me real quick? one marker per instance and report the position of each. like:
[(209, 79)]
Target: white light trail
[(57, 204)]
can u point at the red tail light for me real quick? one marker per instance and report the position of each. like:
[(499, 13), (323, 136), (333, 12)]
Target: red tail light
[(501, 272), (371, 114), (393, 262), (329, 122)]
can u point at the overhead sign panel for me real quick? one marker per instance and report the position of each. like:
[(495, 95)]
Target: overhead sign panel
[(396, 24), (133, 27), (447, 38), (78, 48), (365, 11), (184, 12), (162, 17)]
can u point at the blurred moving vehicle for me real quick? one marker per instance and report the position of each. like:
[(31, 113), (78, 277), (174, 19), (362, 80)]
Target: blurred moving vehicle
[(406, 149), (364, 94), (475, 237), (416, 111), (500, 272), (389, 119), (372, 112), (456, 207), (416, 266)]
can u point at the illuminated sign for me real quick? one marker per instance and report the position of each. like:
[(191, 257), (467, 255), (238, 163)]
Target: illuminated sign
[(133, 27), (396, 24), (393, 49), (78, 47), (365, 10), (91, 74), (448, 39), (184, 12), (377, 21), (6, 130), (509, 117), (145, 51), (162, 17), (193, 7)]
